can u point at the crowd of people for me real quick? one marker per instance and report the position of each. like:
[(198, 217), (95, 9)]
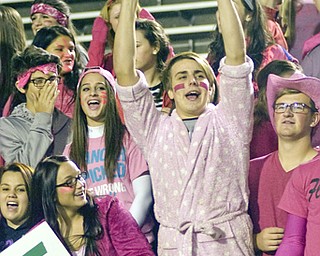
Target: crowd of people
[(144, 151)]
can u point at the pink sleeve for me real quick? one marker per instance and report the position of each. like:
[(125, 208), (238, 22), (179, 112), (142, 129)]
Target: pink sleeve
[(294, 239), (98, 43), (137, 165), (310, 44), (144, 14), (66, 151), (125, 234), (276, 52), (6, 108)]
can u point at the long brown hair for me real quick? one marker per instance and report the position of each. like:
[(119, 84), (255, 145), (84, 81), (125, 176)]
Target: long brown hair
[(114, 131), (288, 16), (12, 41)]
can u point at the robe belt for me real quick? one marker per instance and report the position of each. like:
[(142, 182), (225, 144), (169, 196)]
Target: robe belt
[(208, 227)]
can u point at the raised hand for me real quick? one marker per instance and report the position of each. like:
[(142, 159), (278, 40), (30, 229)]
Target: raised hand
[(125, 44), (232, 32)]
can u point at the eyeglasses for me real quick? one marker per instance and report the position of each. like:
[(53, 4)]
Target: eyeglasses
[(39, 82), (72, 182), (295, 107)]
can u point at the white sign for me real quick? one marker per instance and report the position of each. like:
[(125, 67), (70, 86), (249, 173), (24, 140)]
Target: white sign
[(40, 241)]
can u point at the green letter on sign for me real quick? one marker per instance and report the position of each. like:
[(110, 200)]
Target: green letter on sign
[(38, 250)]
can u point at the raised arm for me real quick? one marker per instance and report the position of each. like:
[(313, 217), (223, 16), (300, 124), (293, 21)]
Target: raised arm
[(232, 33), (125, 45), (98, 43)]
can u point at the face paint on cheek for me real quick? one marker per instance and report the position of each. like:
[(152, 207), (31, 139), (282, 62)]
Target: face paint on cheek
[(47, 23), (104, 98), (178, 87), (204, 85), (65, 190)]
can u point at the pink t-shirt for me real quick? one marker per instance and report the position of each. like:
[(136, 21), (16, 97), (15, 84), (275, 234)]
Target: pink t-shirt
[(267, 181), (131, 164), (302, 198)]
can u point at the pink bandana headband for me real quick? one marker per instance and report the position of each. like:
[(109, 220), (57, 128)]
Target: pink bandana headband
[(46, 68), (61, 18)]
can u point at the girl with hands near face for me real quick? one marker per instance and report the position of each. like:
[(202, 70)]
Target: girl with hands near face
[(35, 128), (45, 98)]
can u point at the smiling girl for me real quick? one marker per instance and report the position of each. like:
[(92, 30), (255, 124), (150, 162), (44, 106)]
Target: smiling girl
[(85, 226), (15, 185), (105, 151), (60, 41), (48, 13)]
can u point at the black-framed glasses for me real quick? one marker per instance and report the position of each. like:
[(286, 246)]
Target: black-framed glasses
[(295, 107), (71, 183), (39, 82)]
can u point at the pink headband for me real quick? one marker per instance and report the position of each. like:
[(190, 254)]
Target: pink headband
[(46, 68), (96, 69), (61, 18)]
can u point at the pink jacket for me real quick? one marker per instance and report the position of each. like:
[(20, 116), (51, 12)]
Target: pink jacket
[(122, 235)]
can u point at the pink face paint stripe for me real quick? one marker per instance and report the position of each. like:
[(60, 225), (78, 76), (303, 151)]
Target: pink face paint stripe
[(104, 97), (178, 87), (66, 189), (204, 85)]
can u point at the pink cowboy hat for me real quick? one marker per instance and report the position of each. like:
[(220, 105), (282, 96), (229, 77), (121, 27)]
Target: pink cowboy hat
[(308, 85)]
